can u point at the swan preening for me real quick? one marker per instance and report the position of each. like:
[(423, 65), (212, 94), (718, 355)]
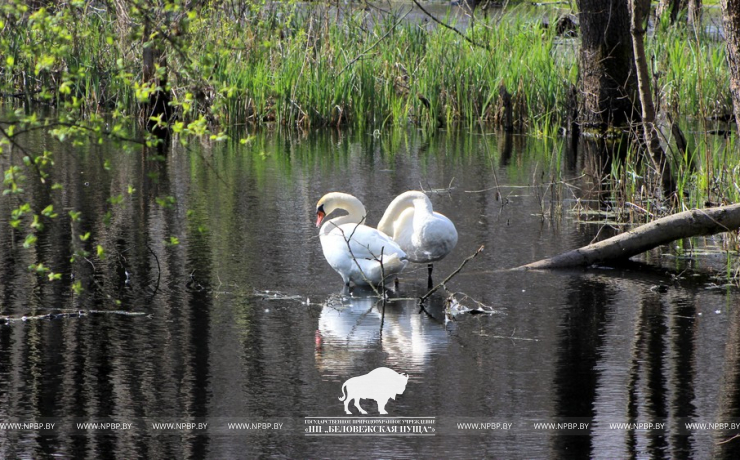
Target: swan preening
[(426, 236), (409, 230), (360, 254)]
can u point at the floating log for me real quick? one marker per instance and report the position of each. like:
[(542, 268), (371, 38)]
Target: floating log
[(696, 222)]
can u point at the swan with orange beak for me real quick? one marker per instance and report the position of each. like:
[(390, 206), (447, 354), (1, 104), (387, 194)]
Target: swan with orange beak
[(360, 254)]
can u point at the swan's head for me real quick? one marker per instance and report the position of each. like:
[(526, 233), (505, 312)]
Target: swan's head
[(320, 214), (337, 200)]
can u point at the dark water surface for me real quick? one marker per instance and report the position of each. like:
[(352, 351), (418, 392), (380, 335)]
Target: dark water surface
[(243, 321)]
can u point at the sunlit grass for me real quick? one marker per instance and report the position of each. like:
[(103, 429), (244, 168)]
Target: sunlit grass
[(311, 66)]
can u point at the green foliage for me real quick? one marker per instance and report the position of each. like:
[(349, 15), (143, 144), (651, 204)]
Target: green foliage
[(308, 65), (76, 71), (292, 64)]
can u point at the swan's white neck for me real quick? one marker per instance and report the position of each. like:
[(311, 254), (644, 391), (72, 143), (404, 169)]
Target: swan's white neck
[(418, 200), (334, 201)]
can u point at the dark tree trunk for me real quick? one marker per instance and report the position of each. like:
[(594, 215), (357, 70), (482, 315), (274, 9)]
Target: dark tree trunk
[(674, 7), (607, 67), (508, 108), (731, 21), (158, 106), (670, 7)]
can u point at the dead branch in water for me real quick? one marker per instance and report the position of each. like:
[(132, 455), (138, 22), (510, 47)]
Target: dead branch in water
[(449, 277), (695, 222)]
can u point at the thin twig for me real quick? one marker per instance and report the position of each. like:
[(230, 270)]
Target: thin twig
[(442, 284), (367, 50), (349, 247), (728, 440), (159, 271), (469, 40)]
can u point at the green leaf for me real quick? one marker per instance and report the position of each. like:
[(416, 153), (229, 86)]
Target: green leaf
[(77, 287), (114, 200), (30, 241), (49, 211)]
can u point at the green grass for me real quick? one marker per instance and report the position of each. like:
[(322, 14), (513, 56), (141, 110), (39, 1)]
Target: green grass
[(298, 66)]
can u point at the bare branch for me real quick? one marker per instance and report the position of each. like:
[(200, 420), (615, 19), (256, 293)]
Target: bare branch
[(354, 259), (447, 26), (368, 49), (451, 275)]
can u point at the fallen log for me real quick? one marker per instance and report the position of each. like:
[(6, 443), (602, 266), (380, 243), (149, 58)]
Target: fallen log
[(696, 222)]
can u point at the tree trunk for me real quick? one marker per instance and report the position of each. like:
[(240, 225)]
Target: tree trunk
[(639, 11), (158, 106), (508, 115), (696, 222), (731, 22), (122, 17), (674, 7), (695, 12), (670, 7), (607, 68)]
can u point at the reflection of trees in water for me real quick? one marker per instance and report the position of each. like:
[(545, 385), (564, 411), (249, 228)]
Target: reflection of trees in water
[(255, 215), (596, 161), (659, 374), (728, 409), (105, 367), (576, 375)]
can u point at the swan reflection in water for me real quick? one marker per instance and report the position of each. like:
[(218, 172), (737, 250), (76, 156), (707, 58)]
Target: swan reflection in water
[(353, 331)]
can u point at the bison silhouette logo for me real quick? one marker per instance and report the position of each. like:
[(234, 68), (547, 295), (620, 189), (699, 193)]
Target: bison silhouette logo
[(381, 385)]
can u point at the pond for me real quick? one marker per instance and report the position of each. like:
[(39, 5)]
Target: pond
[(212, 327)]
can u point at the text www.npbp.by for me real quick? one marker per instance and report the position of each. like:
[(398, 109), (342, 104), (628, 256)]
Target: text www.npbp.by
[(484, 426), (255, 426), (26, 426), (561, 426)]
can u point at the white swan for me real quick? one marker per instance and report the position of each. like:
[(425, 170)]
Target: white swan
[(426, 236), (360, 260)]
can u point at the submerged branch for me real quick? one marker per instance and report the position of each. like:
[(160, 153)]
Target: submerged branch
[(65, 313), (695, 222)]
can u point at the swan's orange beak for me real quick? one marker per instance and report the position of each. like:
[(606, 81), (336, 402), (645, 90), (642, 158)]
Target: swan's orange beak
[(320, 214)]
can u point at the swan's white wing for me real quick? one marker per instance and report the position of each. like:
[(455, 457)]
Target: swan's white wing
[(366, 246), (432, 238)]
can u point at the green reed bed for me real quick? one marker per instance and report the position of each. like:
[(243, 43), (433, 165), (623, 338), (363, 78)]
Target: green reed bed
[(692, 72), (707, 174), (315, 65), (305, 65)]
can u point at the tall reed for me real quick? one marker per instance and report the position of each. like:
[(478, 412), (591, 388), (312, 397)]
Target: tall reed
[(318, 65)]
